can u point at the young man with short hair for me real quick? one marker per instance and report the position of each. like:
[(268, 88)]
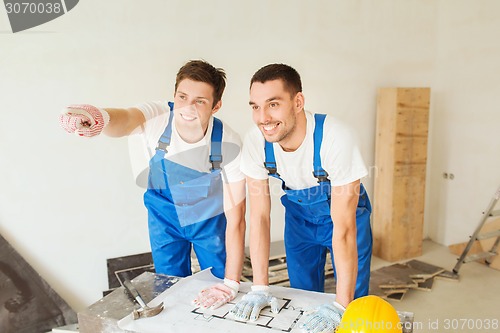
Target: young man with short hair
[(196, 191), (318, 162)]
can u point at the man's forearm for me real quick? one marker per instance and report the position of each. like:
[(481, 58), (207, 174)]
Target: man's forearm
[(123, 122), (346, 264), (343, 212), (259, 250), (235, 242), (260, 225)]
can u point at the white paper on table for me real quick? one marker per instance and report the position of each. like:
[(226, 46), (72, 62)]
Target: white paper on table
[(180, 315)]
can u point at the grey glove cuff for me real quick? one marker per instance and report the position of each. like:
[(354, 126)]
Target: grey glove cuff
[(339, 306), (260, 288)]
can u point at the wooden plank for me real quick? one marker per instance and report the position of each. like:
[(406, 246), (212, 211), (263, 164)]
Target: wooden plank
[(129, 267), (378, 278), (406, 233), (393, 282), (278, 272), (486, 244), (448, 276), (400, 157), (425, 270), (384, 162), (397, 295), (426, 285), (392, 277)]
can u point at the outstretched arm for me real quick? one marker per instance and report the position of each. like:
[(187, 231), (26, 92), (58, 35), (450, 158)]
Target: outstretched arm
[(88, 120), (123, 122)]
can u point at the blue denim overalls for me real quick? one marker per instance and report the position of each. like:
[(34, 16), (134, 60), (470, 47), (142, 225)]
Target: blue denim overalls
[(185, 208), (309, 226)]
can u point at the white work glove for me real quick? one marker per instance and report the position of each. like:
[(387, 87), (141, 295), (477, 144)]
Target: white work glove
[(217, 295), (252, 303), (324, 318), (84, 120)]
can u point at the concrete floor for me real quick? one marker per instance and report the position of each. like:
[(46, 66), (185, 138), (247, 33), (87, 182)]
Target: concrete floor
[(471, 304)]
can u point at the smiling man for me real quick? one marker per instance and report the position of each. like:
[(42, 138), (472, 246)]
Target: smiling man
[(317, 160), (196, 192)]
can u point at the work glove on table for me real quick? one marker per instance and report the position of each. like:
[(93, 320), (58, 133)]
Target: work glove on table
[(324, 318), (252, 303), (84, 120), (217, 295)]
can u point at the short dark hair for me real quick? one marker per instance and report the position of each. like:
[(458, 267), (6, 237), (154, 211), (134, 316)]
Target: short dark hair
[(202, 71), (287, 74)]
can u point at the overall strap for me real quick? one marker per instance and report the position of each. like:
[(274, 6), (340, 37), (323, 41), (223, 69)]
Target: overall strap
[(215, 157), (216, 145), (164, 140), (318, 171), (270, 164), (270, 160)]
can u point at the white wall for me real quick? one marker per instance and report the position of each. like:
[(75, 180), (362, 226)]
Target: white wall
[(68, 204), (465, 118)]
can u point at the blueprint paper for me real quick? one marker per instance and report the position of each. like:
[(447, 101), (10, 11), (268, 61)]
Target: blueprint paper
[(180, 315)]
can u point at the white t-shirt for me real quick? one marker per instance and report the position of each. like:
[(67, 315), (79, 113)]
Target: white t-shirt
[(340, 156), (192, 155)]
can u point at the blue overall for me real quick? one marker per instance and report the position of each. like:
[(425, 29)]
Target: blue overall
[(185, 209), (309, 226)]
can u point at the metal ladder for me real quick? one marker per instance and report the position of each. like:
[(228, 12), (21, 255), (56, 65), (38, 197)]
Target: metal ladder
[(488, 213)]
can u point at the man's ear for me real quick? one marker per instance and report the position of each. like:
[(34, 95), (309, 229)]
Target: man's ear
[(217, 107), (299, 101)]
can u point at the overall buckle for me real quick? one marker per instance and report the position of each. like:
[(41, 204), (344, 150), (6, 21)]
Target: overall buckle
[(321, 175), (271, 168), (216, 161), (162, 146)]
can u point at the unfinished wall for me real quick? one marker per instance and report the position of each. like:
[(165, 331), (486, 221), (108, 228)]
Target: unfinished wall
[(68, 204), (465, 118)]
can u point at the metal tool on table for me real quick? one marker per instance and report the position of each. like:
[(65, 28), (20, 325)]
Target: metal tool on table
[(145, 310)]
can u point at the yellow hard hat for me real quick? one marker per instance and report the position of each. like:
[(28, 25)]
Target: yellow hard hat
[(369, 314)]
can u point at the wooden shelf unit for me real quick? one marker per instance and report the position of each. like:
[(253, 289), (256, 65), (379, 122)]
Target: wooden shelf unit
[(400, 160)]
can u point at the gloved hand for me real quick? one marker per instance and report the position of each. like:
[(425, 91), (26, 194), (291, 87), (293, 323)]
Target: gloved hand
[(84, 120), (324, 318), (218, 295), (252, 303)]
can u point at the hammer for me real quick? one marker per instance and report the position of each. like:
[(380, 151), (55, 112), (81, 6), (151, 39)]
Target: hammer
[(145, 310)]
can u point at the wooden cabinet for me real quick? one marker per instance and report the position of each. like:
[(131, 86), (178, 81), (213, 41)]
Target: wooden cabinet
[(400, 165)]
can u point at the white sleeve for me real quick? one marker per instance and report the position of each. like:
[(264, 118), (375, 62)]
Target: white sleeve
[(342, 157), (253, 156), (151, 110)]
